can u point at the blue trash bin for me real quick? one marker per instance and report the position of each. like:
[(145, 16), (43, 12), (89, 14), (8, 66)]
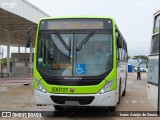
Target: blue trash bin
[(130, 68)]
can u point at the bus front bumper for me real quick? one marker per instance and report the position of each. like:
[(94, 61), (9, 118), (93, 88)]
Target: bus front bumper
[(106, 99)]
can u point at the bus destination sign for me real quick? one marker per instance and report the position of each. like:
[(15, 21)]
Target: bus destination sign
[(73, 24)]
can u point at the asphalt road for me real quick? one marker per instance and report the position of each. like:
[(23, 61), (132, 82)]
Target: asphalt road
[(14, 96)]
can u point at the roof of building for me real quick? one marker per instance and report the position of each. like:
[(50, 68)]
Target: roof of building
[(16, 16)]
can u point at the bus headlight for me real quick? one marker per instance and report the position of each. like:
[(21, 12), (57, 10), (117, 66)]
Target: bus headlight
[(106, 87), (40, 87)]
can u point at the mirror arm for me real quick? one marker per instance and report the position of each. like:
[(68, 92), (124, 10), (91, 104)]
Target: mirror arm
[(28, 36), (31, 28)]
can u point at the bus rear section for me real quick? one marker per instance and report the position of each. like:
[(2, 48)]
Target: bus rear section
[(153, 79), (76, 63), (153, 63)]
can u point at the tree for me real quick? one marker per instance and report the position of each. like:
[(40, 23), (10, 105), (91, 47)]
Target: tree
[(129, 57), (141, 59), (4, 61)]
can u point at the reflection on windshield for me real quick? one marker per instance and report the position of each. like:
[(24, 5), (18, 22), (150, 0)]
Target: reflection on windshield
[(53, 57), (93, 58), (84, 41), (60, 45)]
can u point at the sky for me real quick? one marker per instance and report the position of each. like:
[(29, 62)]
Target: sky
[(134, 18)]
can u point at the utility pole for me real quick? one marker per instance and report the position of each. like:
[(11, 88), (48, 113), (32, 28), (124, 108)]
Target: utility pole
[(1, 53), (0, 58), (158, 102)]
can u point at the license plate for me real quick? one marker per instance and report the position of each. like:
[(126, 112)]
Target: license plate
[(59, 90)]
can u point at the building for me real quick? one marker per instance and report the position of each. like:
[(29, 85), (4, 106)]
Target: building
[(16, 16)]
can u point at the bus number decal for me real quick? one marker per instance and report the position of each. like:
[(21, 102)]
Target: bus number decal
[(59, 89)]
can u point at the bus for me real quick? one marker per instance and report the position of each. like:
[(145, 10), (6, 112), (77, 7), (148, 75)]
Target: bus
[(79, 62), (153, 64)]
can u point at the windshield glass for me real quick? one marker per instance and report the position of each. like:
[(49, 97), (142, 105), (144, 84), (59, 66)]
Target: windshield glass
[(74, 54), (94, 57)]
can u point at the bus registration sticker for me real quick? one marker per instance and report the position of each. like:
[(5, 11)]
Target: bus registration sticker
[(80, 69)]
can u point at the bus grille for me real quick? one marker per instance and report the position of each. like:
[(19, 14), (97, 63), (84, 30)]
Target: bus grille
[(83, 100)]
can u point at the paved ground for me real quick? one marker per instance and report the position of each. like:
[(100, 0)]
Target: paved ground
[(14, 96), (136, 95), (15, 81)]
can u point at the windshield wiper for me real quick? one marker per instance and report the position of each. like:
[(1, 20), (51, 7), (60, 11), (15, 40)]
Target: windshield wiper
[(84, 41), (63, 42)]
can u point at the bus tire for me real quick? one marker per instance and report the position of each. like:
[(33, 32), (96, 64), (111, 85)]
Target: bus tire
[(112, 109), (119, 96), (57, 107), (124, 92)]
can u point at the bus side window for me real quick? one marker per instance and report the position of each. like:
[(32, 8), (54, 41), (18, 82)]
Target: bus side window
[(118, 52), (125, 50)]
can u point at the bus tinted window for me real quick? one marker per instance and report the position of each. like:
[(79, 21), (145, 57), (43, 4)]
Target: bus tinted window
[(156, 24), (153, 71), (155, 44)]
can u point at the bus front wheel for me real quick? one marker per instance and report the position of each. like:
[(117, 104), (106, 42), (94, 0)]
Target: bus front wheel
[(119, 96), (124, 92)]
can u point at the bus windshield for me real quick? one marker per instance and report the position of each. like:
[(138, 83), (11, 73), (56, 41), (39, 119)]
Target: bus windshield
[(74, 53)]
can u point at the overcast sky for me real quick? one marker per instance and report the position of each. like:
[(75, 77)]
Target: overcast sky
[(133, 17)]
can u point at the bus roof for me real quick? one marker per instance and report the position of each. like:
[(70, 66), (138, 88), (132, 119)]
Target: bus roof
[(64, 17), (156, 13)]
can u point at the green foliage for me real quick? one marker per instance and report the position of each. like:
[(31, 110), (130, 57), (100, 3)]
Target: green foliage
[(141, 59), (129, 57), (4, 61)]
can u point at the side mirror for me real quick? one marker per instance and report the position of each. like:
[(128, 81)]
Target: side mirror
[(28, 41), (119, 42)]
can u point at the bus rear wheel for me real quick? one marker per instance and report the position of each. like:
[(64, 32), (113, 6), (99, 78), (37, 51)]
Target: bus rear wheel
[(57, 107), (112, 109)]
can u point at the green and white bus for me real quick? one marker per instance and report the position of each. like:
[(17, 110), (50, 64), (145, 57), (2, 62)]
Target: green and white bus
[(153, 62), (79, 61)]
